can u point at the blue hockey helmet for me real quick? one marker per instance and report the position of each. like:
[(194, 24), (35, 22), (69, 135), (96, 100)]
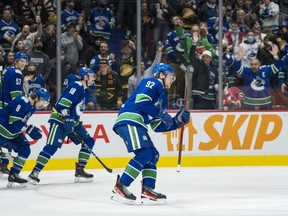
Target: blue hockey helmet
[(20, 55), (164, 68), (84, 71), (43, 94)]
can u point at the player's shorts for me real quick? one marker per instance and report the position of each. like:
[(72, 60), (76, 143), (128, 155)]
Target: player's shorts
[(57, 134), (134, 137)]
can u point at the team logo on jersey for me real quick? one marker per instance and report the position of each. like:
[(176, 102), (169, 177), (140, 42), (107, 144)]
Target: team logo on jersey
[(258, 84)]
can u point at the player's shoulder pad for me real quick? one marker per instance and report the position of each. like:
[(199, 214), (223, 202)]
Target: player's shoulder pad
[(25, 99), (18, 71)]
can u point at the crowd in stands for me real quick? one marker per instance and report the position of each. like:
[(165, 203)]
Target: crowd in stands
[(255, 45)]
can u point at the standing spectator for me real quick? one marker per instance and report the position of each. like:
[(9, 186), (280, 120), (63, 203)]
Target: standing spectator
[(65, 121), (101, 20), (213, 24), (8, 29), (68, 14), (104, 54), (146, 106), (257, 80), (41, 60), (126, 17), (42, 8), (71, 41), (126, 65), (205, 100), (172, 43), (108, 87), (207, 10), (28, 37), (269, 15), (21, 109), (162, 15), (49, 40)]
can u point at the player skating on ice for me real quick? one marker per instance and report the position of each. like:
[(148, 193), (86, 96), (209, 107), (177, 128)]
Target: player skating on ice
[(11, 87), (145, 106), (13, 118), (65, 121)]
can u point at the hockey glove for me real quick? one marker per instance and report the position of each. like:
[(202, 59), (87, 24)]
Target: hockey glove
[(69, 124), (34, 132), (183, 116), (165, 118)]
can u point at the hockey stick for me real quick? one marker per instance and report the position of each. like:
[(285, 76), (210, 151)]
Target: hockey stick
[(90, 150), (188, 77)]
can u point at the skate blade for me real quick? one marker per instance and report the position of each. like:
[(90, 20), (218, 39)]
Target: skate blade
[(83, 180), (149, 201), (118, 198), (16, 185), (32, 181)]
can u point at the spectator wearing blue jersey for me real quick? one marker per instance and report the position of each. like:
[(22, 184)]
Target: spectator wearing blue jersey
[(65, 121), (145, 106), (69, 14), (104, 54), (269, 15), (101, 20), (8, 29), (257, 80), (13, 118)]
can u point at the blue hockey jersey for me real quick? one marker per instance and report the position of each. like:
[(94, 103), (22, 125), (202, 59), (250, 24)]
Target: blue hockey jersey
[(10, 29), (11, 86), (74, 98), (107, 16), (142, 107), (257, 85), (14, 116)]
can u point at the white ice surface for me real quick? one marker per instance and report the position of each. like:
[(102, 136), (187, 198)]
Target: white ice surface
[(219, 191)]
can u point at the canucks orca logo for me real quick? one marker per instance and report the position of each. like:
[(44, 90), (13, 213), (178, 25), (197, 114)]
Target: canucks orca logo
[(251, 56), (80, 108), (258, 84)]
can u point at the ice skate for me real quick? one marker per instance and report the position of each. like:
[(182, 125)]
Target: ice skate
[(4, 171), (33, 177), (81, 175), (15, 181), (149, 196), (122, 194)]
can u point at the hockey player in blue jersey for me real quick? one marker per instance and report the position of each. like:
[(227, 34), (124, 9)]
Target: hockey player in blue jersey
[(145, 106), (11, 86), (12, 79), (65, 121), (13, 118)]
